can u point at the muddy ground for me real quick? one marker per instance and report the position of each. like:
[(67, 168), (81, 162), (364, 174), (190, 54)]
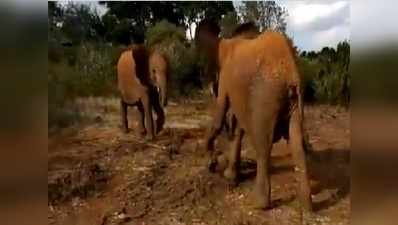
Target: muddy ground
[(99, 176)]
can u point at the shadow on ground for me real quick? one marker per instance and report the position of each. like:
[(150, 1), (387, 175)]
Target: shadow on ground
[(329, 169)]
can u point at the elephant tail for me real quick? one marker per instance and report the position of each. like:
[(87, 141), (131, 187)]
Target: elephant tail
[(296, 98)]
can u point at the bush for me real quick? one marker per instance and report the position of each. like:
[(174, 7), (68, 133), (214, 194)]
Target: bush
[(332, 87), (326, 76), (83, 70), (164, 31), (184, 71), (308, 72)]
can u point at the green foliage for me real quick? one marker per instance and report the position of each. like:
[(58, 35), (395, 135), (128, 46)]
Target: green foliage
[(84, 70), (164, 31), (308, 71), (170, 40), (326, 74), (88, 69), (265, 14), (228, 24), (80, 23), (140, 16)]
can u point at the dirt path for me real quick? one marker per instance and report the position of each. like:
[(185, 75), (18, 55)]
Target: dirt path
[(99, 176)]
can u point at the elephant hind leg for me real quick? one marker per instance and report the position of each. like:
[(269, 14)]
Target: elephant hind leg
[(123, 116), (261, 139), (145, 100), (231, 172), (218, 121), (265, 106), (297, 146)]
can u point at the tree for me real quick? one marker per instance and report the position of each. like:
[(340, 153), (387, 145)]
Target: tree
[(80, 23), (54, 14), (128, 21), (228, 24), (193, 12), (265, 14), (137, 17)]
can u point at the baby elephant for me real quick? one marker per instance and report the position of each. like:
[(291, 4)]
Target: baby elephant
[(142, 81)]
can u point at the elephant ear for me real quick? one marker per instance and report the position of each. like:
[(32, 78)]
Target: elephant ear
[(246, 30), (141, 58)]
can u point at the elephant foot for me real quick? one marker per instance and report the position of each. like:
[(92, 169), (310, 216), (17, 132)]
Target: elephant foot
[(218, 164), (125, 130), (159, 128), (232, 178), (261, 201), (222, 162), (212, 166), (143, 132), (306, 203), (149, 137), (231, 175)]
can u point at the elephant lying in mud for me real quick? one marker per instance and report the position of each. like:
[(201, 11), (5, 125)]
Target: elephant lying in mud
[(259, 82), (142, 82)]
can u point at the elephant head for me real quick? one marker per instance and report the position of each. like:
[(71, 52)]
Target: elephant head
[(158, 70), (208, 41)]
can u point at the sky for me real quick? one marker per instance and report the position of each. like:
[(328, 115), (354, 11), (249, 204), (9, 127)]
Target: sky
[(315, 24), (312, 24)]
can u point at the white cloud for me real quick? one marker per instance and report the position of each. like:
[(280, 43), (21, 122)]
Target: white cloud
[(374, 23), (318, 16), (331, 37), (315, 24)]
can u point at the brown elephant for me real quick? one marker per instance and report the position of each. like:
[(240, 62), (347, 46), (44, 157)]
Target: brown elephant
[(142, 82), (260, 83), (249, 31)]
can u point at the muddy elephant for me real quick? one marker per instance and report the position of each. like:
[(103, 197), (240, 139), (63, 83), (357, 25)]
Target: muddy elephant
[(142, 82), (248, 31), (260, 83)]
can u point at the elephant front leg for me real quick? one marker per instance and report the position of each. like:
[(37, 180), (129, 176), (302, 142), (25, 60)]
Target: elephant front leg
[(148, 117), (296, 145), (231, 173), (160, 116), (123, 116), (141, 120), (233, 124)]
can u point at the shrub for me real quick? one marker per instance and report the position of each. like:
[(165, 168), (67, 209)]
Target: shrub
[(170, 40), (326, 76), (164, 31), (83, 70), (308, 72)]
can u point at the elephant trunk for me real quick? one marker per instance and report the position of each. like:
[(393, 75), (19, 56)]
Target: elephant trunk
[(163, 94), (162, 90)]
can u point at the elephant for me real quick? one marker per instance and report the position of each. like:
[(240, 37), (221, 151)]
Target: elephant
[(246, 30), (142, 82), (230, 121), (260, 83)]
